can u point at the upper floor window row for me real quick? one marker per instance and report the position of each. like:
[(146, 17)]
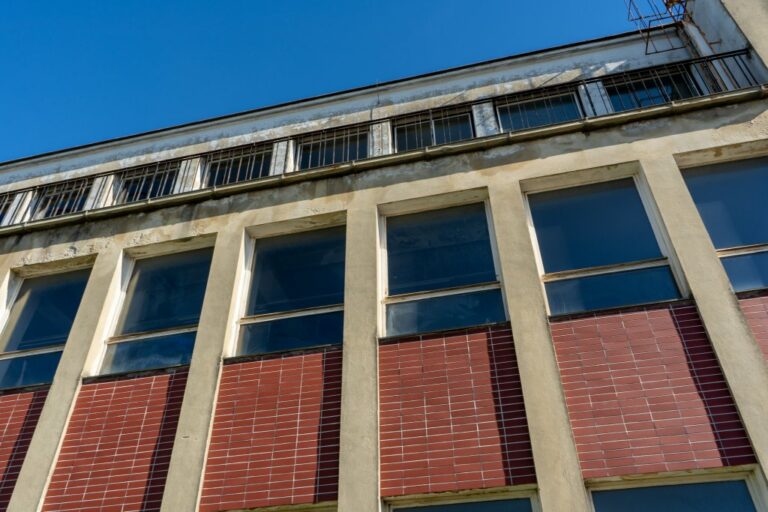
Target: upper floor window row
[(731, 199), (531, 109)]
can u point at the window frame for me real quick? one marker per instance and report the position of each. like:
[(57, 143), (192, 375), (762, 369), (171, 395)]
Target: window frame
[(750, 474), (656, 75), (385, 299), (127, 266), (529, 492), (668, 258), (430, 116), (263, 151), (324, 136), (13, 286), (244, 288)]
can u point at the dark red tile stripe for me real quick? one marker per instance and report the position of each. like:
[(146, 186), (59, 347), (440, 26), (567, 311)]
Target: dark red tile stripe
[(452, 414), (646, 394), (117, 448), (19, 412), (755, 308), (275, 437)]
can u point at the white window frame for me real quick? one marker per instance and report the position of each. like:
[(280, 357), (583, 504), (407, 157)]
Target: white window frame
[(243, 288), (751, 474), (385, 299), (668, 256), (529, 492)]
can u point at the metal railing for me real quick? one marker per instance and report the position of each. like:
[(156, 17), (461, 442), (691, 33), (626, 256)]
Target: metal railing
[(540, 107)]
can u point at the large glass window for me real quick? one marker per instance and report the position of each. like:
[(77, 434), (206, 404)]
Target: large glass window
[(598, 248), (332, 147), (731, 199), (432, 128), (541, 108), (38, 326), (158, 320), (297, 293), (441, 272), (709, 497), (518, 505)]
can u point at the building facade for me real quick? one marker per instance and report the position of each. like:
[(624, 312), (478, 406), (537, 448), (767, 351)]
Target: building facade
[(531, 284)]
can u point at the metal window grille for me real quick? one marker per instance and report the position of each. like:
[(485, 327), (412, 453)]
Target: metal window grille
[(433, 127), (6, 200), (238, 164), (60, 198), (533, 109), (147, 182), (332, 147)]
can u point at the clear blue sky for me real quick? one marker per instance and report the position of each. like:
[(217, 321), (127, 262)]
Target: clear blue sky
[(77, 72)]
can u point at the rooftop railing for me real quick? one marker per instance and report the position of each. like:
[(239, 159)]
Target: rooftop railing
[(536, 108)]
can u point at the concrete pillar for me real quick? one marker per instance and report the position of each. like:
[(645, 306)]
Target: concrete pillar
[(484, 115), (380, 142), (84, 339), (282, 157), (190, 175), (752, 17), (359, 444), (19, 211), (739, 355), (595, 99), (190, 447), (558, 472), (99, 193)]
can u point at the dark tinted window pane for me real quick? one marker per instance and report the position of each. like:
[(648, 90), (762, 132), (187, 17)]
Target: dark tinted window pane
[(334, 147), (611, 290), (653, 90), (731, 199), (747, 272), (292, 333), (444, 313), (413, 135), (150, 353), (43, 311), (539, 112), (713, 497), (483, 506), (439, 249), (453, 128), (298, 271), (164, 292), (592, 225), (29, 370)]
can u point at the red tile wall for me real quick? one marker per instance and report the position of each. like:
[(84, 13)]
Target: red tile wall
[(645, 393), (755, 308), (275, 438), (19, 412), (451, 413), (117, 448)]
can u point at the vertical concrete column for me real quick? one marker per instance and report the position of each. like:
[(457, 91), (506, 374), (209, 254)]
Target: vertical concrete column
[(85, 337), (484, 115), (99, 194), (190, 175), (282, 157), (752, 17), (190, 447), (359, 445), (595, 99), (558, 472), (739, 355), (381, 139)]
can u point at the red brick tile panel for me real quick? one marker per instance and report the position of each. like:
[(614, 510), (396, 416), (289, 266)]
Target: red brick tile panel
[(646, 394), (117, 448), (452, 414), (19, 412), (755, 308), (275, 437)]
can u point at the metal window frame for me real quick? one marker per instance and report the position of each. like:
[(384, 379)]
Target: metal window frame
[(386, 299), (67, 197), (535, 95), (131, 183), (528, 491), (322, 138), (258, 157), (431, 116)]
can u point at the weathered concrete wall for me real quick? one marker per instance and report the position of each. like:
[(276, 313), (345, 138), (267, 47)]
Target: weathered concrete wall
[(734, 131)]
